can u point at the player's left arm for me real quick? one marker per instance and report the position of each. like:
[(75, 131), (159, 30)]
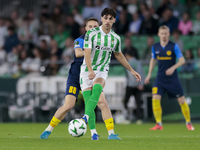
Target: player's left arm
[(120, 57), (181, 60), (78, 47)]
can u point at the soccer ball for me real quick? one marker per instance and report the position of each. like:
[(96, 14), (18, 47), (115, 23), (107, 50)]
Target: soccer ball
[(77, 127)]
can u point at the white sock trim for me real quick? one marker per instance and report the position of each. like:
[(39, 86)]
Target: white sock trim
[(110, 132), (49, 128)]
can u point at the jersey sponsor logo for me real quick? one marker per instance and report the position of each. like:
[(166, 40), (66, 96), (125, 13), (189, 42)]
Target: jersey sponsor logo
[(169, 52), (86, 37), (98, 47), (164, 58)]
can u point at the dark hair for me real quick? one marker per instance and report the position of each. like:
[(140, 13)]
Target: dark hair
[(92, 19), (109, 11), (11, 28)]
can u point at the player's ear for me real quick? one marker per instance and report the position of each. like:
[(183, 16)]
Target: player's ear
[(101, 19)]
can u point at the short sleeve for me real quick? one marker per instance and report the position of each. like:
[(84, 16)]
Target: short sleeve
[(177, 51), (153, 54), (118, 45), (78, 43), (88, 39)]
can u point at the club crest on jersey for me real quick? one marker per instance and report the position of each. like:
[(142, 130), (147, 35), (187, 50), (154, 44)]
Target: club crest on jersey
[(112, 42), (169, 52)]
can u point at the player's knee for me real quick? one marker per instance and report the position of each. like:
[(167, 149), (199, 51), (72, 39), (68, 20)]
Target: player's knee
[(68, 107), (181, 100)]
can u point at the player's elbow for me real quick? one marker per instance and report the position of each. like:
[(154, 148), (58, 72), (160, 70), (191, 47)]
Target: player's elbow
[(183, 60)]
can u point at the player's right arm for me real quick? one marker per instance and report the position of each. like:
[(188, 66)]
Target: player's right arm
[(151, 66), (88, 49)]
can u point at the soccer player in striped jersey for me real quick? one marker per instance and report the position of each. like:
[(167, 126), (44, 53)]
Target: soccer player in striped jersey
[(166, 52), (98, 45), (72, 91)]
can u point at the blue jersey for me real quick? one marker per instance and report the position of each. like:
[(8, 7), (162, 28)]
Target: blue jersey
[(74, 71), (166, 57)]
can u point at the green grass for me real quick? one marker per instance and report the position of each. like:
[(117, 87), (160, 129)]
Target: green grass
[(138, 137)]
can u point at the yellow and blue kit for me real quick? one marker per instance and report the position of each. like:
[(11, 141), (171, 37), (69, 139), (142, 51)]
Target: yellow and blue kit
[(73, 84), (166, 57)]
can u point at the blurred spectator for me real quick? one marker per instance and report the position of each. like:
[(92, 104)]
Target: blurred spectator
[(143, 8), (177, 8), (34, 22), (100, 5), (75, 4), (32, 64), (132, 7), (53, 67), (9, 22), (45, 9), (149, 24), (134, 26), (114, 5), (82, 30), (189, 66), (57, 17), (12, 58), (129, 48), (46, 26), (163, 5), (196, 24), (176, 36), (185, 25), (77, 16), (15, 18), (2, 55), (60, 36), (64, 69), (12, 40), (55, 50), (198, 53), (62, 4), (169, 20), (44, 50), (72, 27), (147, 52), (3, 32), (133, 87), (122, 26), (26, 32), (69, 50), (88, 9)]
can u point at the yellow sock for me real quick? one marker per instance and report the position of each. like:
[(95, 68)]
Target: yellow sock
[(54, 122), (157, 110), (186, 111), (109, 125)]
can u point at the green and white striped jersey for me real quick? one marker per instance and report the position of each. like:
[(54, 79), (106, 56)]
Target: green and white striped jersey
[(102, 46)]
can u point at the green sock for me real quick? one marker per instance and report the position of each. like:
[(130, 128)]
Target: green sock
[(93, 100), (92, 119)]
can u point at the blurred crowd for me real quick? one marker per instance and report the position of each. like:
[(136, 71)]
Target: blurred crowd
[(43, 43)]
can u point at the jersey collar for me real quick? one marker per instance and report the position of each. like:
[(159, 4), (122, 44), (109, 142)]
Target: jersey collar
[(103, 33)]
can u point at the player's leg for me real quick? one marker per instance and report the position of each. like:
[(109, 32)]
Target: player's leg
[(59, 115), (186, 112), (91, 104), (127, 96), (107, 117), (157, 112), (139, 114)]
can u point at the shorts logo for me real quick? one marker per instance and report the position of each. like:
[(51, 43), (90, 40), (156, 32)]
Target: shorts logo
[(154, 90), (169, 52)]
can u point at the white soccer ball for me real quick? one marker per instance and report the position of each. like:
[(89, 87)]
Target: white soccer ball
[(77, 127)]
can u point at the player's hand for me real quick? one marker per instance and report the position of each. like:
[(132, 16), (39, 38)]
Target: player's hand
[(170, 71), (146, 81), (138, 77), (91, 75)]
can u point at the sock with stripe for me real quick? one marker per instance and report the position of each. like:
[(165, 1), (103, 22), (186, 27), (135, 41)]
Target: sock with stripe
[(54, 122)]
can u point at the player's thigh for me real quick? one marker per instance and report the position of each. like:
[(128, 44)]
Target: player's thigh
[(158, 89), (181, 100), (99, 80), (101, 77)]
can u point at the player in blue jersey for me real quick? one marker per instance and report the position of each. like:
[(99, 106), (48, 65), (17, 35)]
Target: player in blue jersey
[(165, 53), (72, 91)]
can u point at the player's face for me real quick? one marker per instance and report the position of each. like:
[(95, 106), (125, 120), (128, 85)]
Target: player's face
[(107, 21), (91, 24), (164, 34)]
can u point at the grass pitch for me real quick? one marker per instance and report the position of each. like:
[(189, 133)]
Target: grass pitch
[(17, 136)]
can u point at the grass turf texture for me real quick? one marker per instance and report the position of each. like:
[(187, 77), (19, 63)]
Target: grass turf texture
[(26, 137)]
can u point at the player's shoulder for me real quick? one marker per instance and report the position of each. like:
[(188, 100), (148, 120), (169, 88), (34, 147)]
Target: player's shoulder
[(93, 31), (172, 43), (80, 38), (156, 44), (115, 34)]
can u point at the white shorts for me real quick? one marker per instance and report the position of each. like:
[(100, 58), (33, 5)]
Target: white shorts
[(85, 82)]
